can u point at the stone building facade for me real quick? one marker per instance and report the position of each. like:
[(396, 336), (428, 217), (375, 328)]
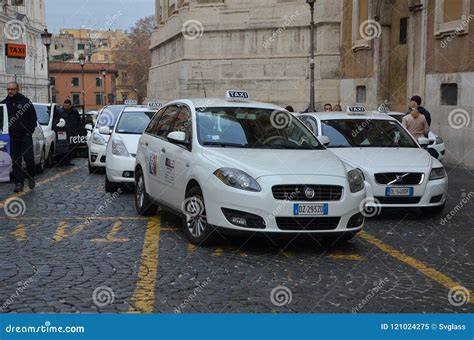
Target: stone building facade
[(392, 50), (22, 22), (203, 47)]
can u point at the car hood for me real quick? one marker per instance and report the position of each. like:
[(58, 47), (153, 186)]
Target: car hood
[(392, 158), (130, 141), (259, 163)]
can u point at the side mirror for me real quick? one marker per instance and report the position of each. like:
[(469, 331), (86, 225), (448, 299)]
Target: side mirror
[(423, 141), (89, 127), (178, 137), (324, 140), (105, 130)]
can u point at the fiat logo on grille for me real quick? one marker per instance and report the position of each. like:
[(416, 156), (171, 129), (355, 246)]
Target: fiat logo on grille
[(309, 193)]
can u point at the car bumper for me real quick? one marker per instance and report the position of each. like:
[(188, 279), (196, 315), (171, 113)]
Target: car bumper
[(279, 214), (117, 167), (428, 194), (97, 155)]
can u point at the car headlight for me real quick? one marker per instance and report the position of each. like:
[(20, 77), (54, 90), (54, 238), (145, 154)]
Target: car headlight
[(119, 149), (437, 173), (356, 180), (98, 139), (439, 140), (237, 179)]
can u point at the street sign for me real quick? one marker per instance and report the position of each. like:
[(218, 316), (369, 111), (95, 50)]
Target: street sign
[(155, 105), (15, 51), (130, 102), (15, 66)]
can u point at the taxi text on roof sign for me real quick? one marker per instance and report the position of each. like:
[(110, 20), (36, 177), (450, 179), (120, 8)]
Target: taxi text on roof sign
[(130, 102), (155, 105), (15, 51), (237, 95), (356, 109)]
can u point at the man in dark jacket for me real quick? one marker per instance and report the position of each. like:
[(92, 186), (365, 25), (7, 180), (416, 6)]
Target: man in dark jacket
[(22, 124), (421, 109), (69, 120)]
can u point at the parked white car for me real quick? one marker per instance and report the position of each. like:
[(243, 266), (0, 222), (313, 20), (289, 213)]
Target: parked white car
[(240, 165), (97, 142), (45, 114), (122, 145), (398, 171)]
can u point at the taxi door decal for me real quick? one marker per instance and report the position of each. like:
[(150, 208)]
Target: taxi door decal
[(169, 170), (153, 164)]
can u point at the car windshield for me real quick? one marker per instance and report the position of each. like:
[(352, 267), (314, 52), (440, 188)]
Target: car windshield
[(42, 113), (368, 133), (252, 128), (108, 116), (134, 122)]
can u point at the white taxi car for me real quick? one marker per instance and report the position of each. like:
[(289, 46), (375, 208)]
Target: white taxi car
[(398, 172), (97, 142), (235, 164), (122, 145)]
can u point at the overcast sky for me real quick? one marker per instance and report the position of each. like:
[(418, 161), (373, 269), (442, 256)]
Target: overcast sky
[(97, 14)]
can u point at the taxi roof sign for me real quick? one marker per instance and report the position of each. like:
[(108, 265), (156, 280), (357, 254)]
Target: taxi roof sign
[(155, 105), (130, 102), (356, 109), (233, 95)]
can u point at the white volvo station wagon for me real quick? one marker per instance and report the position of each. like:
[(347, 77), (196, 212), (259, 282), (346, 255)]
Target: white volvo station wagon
[(398, 172), (234, 164)]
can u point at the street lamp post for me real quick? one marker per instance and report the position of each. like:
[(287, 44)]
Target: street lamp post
[(82, 61), (311, 63), (104, 74), (46, 37)]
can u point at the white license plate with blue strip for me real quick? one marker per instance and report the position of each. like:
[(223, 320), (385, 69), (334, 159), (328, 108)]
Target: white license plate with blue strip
[(321, 209)]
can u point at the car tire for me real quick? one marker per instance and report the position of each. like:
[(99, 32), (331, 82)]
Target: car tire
[(194, 220), (49, 161), (433, 211), (92, 169), (110, 186), (143, 203), (40, 166)]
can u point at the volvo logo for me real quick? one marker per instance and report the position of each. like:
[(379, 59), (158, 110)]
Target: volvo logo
[(309, 193), (398, 179)]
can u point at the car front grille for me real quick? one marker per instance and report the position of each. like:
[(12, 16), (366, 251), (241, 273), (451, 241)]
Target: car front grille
[(307, 223), (298, 192), (398, 200), (404, 178)]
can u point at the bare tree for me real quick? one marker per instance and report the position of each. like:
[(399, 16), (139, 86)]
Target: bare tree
[(134, 57)]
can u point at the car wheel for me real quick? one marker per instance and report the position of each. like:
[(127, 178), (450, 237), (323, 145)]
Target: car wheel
[(432, 211), (40, 166), (195, 225), (110, 186), (92, 169), (143, 203), (49, 160)]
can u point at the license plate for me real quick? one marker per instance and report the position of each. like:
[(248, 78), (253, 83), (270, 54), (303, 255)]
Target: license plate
[(311, 209), (62, 135), (399, 192)]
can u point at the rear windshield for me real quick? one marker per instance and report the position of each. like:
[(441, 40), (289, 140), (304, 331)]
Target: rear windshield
[(134, 122), (108, 116)]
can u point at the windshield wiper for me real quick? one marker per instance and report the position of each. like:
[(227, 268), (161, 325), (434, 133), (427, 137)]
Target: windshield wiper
[(224, 145)]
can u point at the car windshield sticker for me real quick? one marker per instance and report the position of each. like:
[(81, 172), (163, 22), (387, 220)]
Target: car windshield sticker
[(153, 165)]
